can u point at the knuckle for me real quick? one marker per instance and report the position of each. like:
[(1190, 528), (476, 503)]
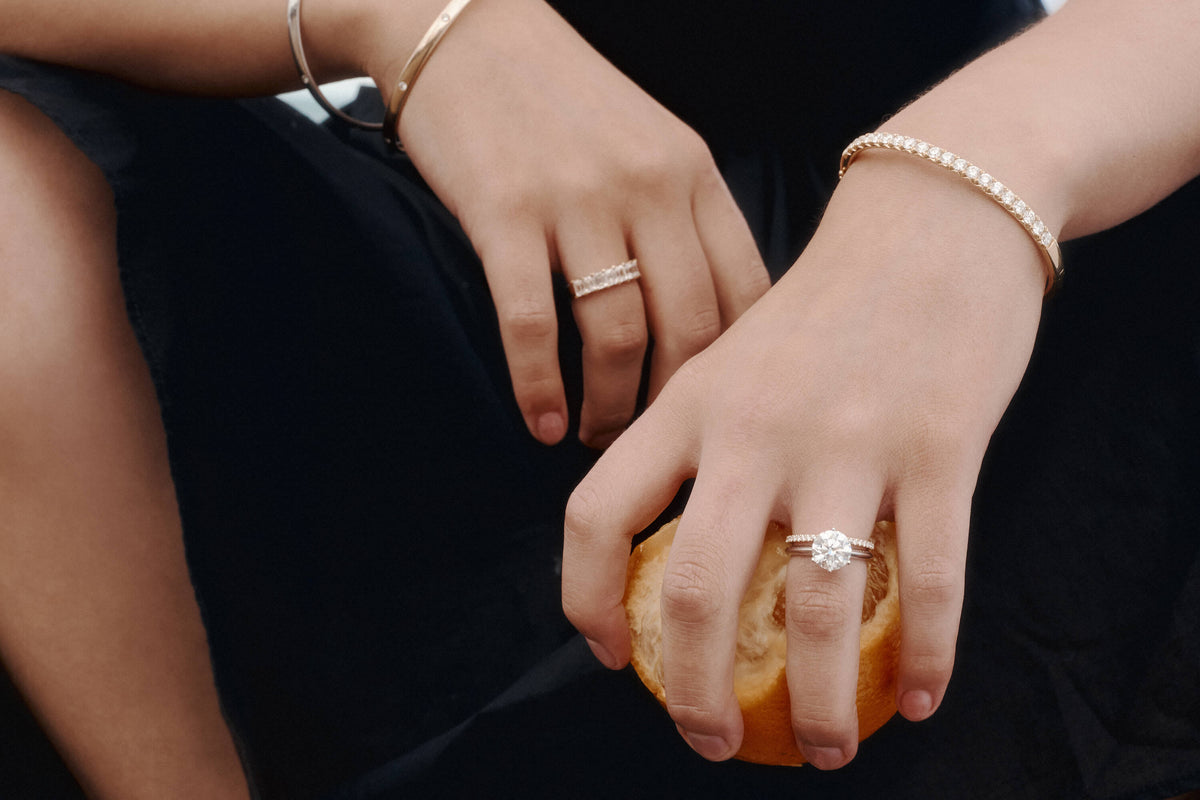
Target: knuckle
[(819, 614), (821, 728), (692, 716), (528, 323), (930, 669), (690, 593), (935, 582), (621, 342), (496, 206), (699, 331), (938, 443), (754, 280), (584, 506), (581, 188)]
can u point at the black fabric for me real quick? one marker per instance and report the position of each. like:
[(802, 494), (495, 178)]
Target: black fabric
[(374, 539)]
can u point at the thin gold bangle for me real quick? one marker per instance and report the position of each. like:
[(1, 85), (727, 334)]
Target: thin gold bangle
[(306, 77), (413, 67), (1005, 197)]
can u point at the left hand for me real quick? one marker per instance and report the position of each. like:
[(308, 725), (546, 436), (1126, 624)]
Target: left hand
[(863, 386)]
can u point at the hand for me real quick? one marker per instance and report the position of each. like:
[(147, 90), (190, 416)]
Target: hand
[(552, 160), (865, 385)]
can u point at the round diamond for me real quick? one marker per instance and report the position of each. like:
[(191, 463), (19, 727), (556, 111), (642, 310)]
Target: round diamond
[(934, 152), (910, 143), (973, 172), (1020, 207), (886, 138), (960, 165), (997, 188), (1008, 198), (1047, 238), (985, 180), (1038, 227), (922, 147), (947, 158), (831, 550), (402, 86), (1028, 217)]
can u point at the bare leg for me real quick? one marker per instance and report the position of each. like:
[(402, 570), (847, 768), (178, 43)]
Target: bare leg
[(98, 623)]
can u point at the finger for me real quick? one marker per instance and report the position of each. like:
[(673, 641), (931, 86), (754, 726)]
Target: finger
[(932, 523), (628, 487), (517, 265), (612, 324), (681, 303), (716, 549), (739, 275), (824, 611)]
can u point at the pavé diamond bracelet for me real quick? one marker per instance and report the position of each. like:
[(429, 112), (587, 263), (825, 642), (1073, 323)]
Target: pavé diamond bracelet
[(993, 188)]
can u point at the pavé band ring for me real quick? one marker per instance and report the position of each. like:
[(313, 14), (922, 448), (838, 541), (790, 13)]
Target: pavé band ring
[(606, 278), (830, 550)]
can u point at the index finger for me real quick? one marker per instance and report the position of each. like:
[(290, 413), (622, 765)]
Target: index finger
[(629, 486)]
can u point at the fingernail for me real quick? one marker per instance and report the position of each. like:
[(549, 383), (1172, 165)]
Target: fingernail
[(824, 757), (601, 652), (714, 748), (916, 705), (551, 427)]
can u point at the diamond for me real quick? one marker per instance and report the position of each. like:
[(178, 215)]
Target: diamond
[(910, 143), (922, 147), (1019, 206), (445, 17), (960, 165), (1008, 198), (973, 172), (946, 159), (985, 180), (1038, 227), (1047, 238), (831, 550), (886, 138), (997, 188), (402, 86), (1028, 217), (934, 152)]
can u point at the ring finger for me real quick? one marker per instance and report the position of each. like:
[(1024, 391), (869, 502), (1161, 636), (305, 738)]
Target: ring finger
[(612, 324), (824, 610)]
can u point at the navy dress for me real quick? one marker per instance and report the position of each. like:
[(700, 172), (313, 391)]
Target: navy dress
[(375, 540)]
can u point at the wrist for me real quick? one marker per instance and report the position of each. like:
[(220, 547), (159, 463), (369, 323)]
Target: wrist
[(352, 38), (938, 231)]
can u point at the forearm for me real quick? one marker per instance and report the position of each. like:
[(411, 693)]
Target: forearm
[(237, 47), (1091, 116)]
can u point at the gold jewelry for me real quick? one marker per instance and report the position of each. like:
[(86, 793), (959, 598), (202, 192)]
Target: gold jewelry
[(310, 83), (413, 67), (975, 175), (606, 278)]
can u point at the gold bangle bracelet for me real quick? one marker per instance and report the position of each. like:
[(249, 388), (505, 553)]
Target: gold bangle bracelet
[(413, 67), (1005, 197)]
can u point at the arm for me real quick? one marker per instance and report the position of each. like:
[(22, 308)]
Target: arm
[(505, 126), (867, 383)]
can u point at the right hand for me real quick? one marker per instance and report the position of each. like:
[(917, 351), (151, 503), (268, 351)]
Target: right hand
[(553, 160)]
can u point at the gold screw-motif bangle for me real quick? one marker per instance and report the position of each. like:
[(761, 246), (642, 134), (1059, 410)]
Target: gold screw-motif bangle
[(412, 68), (976, 176)]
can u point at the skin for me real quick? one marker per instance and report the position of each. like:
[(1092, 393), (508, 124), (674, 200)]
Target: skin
[(550, 158), (513, 123), (867, 383), (98, 624)]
